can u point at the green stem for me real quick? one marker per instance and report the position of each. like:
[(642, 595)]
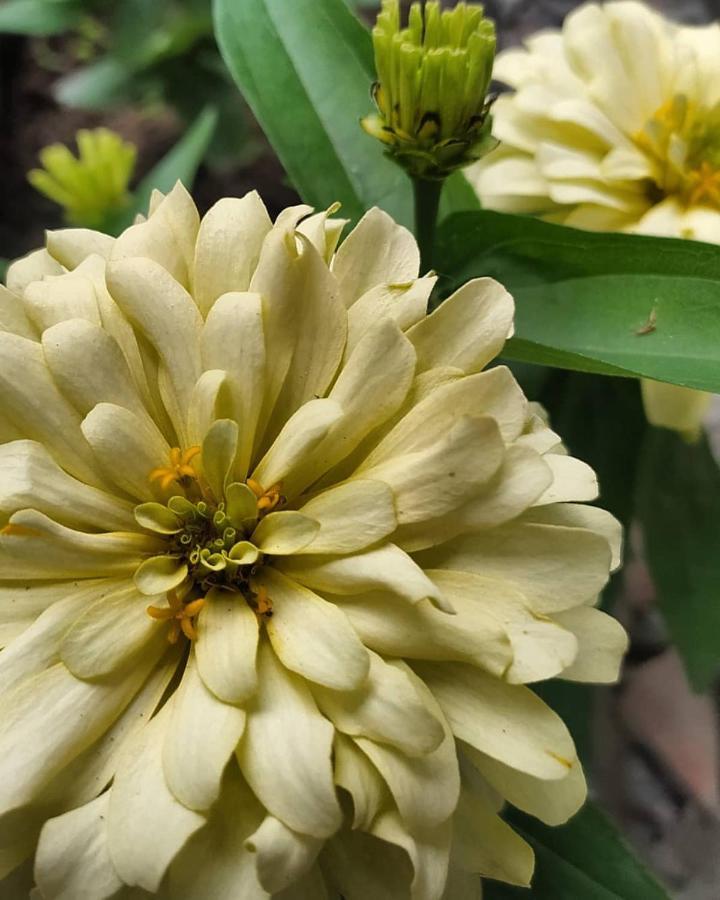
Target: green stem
[(427, 203)]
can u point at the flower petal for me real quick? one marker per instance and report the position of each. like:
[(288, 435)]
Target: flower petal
[(572, 480), (304, 321), (167, 237), (13, 317), (219, 449), (202, 734), (424, 632), (467, 330), (284, 533), (429, 852), (226, 646), (233, 340), (71, 246), (146, 825), (388, 709), (37, 648), (553, 802), (487, 845), (405, 304), (228, 247), (493, 393), (311, 636), (29, 476), (127, 448), (286, 460), (352, 516), (576, 515), (33, 546), (131, 282), (507, 722), (61, 298), (109, 635), (31, 267), (51, 718), (602, 644), (384, 568), (73, 854), (285, 753), (89, 367), (214, 863), (426, 787), (437, 478), (553, 567), (377, 251), (358, 776), (282, 855), (32, 402)]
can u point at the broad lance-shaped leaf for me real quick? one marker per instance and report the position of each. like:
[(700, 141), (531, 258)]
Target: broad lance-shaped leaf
[(679, 508), (39, 18), (583, 860), (305, 67), (615, 304)]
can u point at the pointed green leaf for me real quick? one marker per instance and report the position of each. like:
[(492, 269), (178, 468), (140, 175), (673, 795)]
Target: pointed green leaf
[(679, 508), (616, 304), (583, 860)]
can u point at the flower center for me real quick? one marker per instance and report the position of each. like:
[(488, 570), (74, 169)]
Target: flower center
[(208, 542), (683, 140)]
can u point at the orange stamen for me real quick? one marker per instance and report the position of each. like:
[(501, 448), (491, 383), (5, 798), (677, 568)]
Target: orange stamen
[(267, 499), (179, 467), (180, 615)]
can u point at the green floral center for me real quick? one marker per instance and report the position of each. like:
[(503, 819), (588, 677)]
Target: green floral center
[(208, 545)]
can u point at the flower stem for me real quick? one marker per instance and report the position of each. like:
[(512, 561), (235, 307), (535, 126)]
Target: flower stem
[(427, 202)]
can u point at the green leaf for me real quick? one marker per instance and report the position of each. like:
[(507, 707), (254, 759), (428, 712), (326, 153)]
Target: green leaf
[(96, 86), (180, 164), (39, 18), (679, 508), (305, 68), (583, 860), (584, 300)]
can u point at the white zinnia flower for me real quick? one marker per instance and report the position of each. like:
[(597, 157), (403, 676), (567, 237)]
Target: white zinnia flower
[(279, 561), (614, 124)]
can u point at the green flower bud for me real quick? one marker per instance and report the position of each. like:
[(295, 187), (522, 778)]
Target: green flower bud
[(433, 77), (92, 186)]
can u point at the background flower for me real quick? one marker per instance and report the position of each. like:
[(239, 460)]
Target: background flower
[(279, 561), (614, 124)]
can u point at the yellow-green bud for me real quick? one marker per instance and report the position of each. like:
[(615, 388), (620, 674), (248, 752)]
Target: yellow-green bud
[(93, 186), (433, 77)]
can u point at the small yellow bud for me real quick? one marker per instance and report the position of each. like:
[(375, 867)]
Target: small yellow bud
[(92, 186), (433, 77)]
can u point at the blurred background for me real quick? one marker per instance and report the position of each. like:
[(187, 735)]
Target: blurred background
[(150, 71)]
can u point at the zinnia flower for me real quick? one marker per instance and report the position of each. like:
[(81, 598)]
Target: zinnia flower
[(614, 124), (279, 561)]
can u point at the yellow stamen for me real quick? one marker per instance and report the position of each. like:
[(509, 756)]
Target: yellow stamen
[(705, 185), (261, 603), (267, 499), (179, 468), (181, 616)]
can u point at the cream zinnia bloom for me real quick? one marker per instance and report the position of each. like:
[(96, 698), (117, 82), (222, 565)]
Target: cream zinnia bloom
[(614, 124), (279, 561)]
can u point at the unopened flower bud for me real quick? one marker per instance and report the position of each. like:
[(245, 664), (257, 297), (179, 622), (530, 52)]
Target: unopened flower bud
[(92, 186), (433, 77)]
